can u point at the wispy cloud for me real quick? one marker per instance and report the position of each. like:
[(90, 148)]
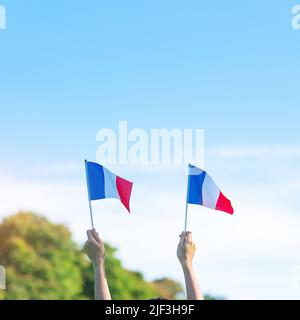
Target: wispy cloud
[(58, 168), (256, 152)]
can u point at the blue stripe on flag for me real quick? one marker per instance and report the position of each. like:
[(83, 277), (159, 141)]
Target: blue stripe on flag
[(195, 187), (96, 181)]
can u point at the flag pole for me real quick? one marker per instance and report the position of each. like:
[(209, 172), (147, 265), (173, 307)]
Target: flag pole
[(187, 203), (186, 216), (89, 193)]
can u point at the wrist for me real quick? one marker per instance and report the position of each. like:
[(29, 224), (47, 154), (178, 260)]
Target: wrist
[(187, 265), (99, 262)]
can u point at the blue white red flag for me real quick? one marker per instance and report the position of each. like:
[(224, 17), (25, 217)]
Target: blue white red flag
[(203, 191), (104, 184)]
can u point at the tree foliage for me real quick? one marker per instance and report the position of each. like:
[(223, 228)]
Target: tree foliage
[(43, 262), (40, 258), (168, 288)]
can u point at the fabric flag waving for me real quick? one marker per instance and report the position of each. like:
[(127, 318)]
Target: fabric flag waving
[(203, 191), (104, 184)]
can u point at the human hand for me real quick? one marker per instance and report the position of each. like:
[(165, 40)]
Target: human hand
[(94, 247), (186, 249)]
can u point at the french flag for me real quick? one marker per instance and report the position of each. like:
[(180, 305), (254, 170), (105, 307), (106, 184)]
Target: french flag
[(103, 184), (203, 191)]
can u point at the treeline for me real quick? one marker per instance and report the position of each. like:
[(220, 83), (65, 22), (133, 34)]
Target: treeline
[(43, 262)]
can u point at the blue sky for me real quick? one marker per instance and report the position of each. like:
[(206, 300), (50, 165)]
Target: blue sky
[(68, 70)]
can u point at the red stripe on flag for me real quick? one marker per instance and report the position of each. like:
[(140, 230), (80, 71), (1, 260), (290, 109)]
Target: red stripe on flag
[(223, 204), (124, 188)]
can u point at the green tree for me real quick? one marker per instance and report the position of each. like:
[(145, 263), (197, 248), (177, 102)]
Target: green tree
[(168, 288), (40, 258), (210, 297), (43, 262)]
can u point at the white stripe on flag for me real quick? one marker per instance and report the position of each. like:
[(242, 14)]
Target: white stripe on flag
[(210, 193), (110, 184)]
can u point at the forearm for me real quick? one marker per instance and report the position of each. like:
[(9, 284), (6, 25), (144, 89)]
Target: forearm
[(193, 289), (101, 286)]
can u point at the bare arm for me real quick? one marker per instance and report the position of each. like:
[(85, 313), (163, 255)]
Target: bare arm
[(95, 250), (185, 252)]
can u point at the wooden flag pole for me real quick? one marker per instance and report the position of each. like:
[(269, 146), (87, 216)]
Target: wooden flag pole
[(89, 193)]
